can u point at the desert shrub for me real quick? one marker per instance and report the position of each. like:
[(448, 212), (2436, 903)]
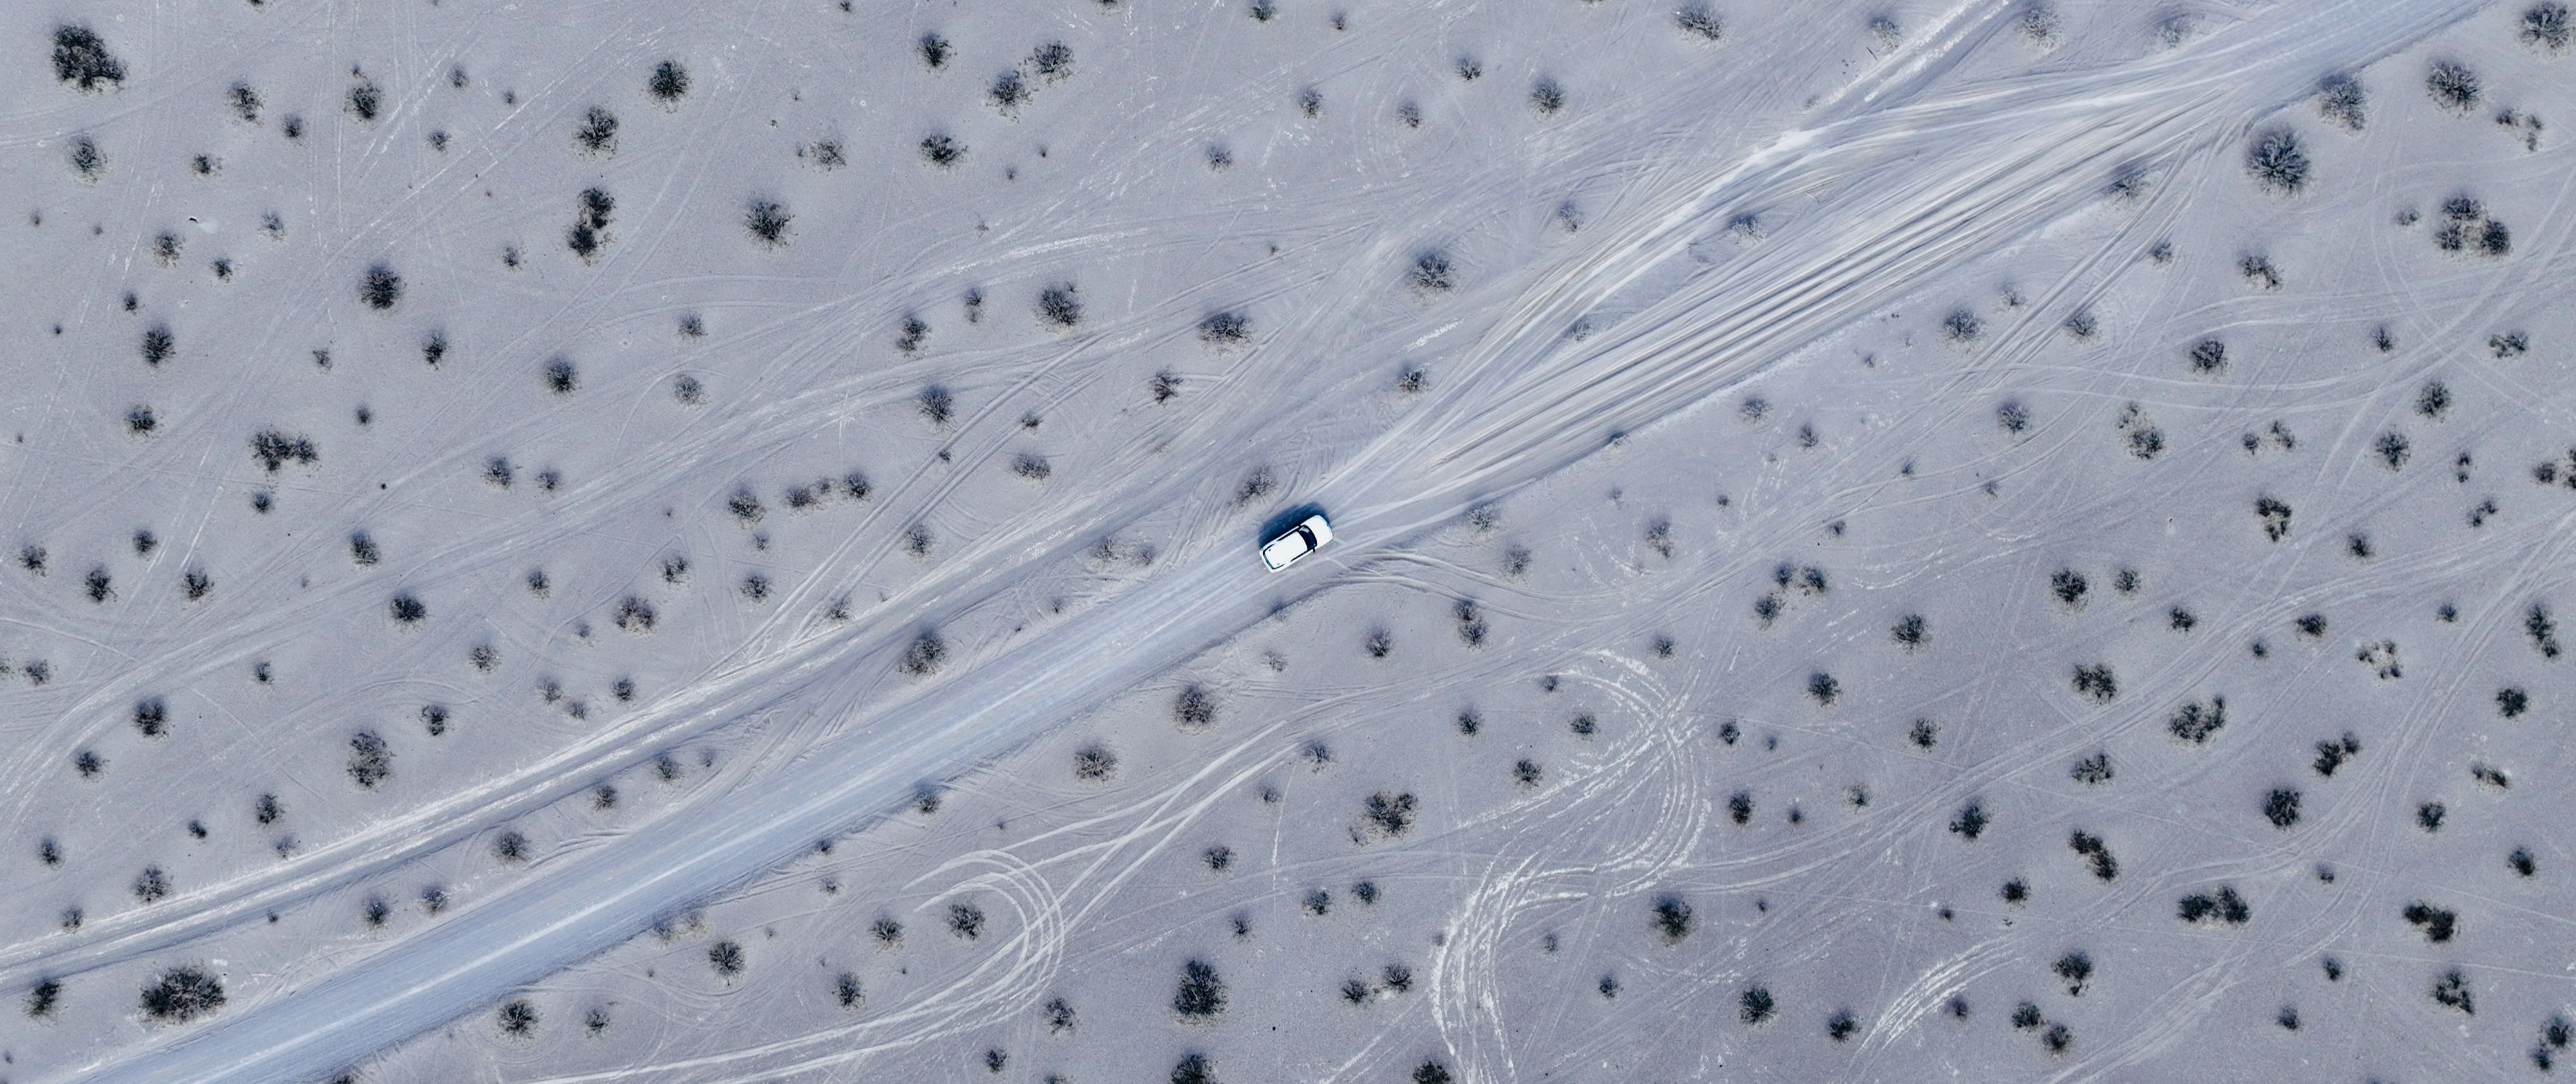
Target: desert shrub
[(2281, 807), (41, 999), (151, 885), (2096, 854), (82, 62), (518, 1019), (766, 220), (2220, 906), (1739, 807), (2341, 101), (2545, 27), (1527, 773), (2092, 771), (935, 405), (966, 921), (88, 764), (86, 160), (1389, 814), (1755, 1006), (152, 717), (2096, 683), (1672, 918), (2428, 816), (598, 132), (2012, 416), (2512, 701), (1698, 21), (669, 83), (2208, 356), (97, 585), (364, 99), (1193, 1069), (2438, 923), (1194, 708), (1432, 273), (195, 584), (2542, 629), (2075, 969), (934, 50), (2521, 862), (2451, 991), (273, 449), (371, 761), (2070, 587), (1547, 96), (381, 288), (2275, 515), (244, 101), (2259, 272), (407, 609), (181, 994), (745, 506), (924, 656), (2312, 626), (1225, 331), (2452, 86), (158, 346), (1971, 821), (1962, 327), (1060, 309), (2276, 161), (1200, 995), (1823, 689)]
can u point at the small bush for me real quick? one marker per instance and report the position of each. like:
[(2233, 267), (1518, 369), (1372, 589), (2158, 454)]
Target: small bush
[(2096, 683), (1201, 993), (2222, 906), (766, 220), (518, 1019), (1699, 22), (598, 132), (2096, 854), (1971, 821), (1672, 919), (1432, 273), (82, 62), (1226, 331), (86, 160), (1094, 763), (371, 761), (2545, 27), (1194, 708), (182, 994), (2341, 101), (381, 288), (2092, 771), (2275, 515), (1963, 327), (1547, 96), (2438, 923), (669, 83), (924, 656), (1389, 814), (158, 345), (2451, 991), (2075, 969), (2277, 163), (560, 377), (1193, 1069), (1755, 1006), (1060, 309), (2452, 86), (407, 609)]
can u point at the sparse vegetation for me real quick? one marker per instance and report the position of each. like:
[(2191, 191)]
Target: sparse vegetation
[(1200, 996), (766, 220), (2452, 86), (182, 994), (2342, 102), (925, 655), (2277, 162), (82, 61)]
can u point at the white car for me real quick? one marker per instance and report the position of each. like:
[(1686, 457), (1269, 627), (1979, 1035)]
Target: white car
[(1300, 540)]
